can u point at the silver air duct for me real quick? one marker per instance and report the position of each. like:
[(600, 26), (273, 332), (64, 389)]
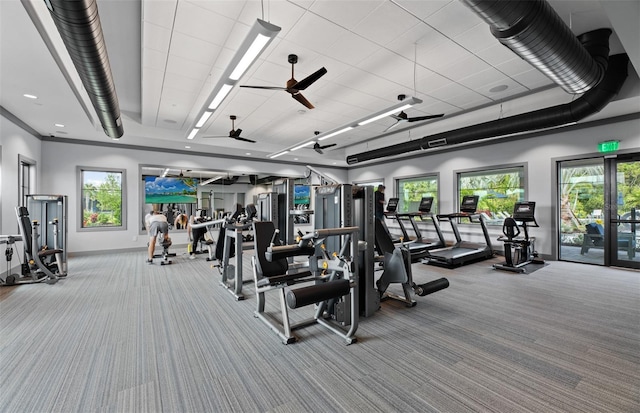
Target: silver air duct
[(533, 31), (79, 25)]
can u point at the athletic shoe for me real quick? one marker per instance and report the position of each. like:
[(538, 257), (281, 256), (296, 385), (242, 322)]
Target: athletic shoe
[(192, 256), (149, 261)]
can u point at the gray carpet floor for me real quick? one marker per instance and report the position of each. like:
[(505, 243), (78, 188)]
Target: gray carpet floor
[(121, 336)]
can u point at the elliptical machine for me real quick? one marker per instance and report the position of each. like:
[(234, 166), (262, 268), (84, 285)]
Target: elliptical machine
[(518, 252)]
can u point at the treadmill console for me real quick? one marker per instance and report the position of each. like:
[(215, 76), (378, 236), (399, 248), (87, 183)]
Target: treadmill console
[(524, 211), (469, 204), (425, 205), (392, 205)]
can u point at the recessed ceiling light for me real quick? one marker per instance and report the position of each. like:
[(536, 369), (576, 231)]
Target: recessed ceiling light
[(498, 88), (62, 132), (247, 153), (170, 120), (335, 163), (295, 159), (187, 147), (59, 125), (30, 96)]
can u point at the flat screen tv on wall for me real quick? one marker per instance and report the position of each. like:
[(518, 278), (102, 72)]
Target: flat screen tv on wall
[(170, 190)]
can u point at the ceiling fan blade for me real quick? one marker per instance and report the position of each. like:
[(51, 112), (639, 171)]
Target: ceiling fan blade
[(265, 87), (309, 80), (303, 100), (235, 133), (328, 146), (239, 138), (319, 150), (419, 118), (394, 125)]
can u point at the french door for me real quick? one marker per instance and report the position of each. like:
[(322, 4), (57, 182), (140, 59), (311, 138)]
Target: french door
[(599, 210)]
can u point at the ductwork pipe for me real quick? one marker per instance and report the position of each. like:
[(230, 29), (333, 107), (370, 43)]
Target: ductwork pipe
[(535, 32), (79, 25), (591, 102)]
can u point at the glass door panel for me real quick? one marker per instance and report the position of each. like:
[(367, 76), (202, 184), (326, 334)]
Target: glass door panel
[(582, 211), (625, 192)]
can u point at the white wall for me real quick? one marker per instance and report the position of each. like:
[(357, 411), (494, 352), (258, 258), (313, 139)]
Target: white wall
[(538, 154), (59, 162), (15, 141)]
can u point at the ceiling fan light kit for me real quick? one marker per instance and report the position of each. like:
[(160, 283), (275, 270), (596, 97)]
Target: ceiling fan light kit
[(259, 37)]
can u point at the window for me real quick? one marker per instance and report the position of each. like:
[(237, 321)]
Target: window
[(102, 198), (498, 189), (412, 190), (26, 178)]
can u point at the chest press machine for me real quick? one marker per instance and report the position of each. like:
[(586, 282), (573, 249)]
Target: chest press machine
[(335, 279)]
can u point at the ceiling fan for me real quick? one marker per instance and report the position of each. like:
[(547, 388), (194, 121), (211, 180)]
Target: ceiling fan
[(233, 133), (403, 117), (293, 86), (318, 148)]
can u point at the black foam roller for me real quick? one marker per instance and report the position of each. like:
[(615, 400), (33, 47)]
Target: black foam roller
[(301, 297), (431, 287)]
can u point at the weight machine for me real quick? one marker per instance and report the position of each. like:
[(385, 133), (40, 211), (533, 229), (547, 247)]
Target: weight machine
[(335, 276), (51, 209), (232, 233)]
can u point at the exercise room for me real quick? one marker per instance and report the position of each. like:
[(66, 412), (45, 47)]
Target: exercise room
[(320, 206)]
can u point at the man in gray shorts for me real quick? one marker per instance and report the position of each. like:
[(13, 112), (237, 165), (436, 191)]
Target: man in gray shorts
[(157, 224)]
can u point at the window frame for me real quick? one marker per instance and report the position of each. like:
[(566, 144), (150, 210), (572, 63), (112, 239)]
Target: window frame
[(491, 170), (430, 175), (26, 184), (123, 193)]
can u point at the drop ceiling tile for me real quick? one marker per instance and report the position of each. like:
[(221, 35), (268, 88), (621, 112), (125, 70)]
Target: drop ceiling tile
[(315, 33), (441, 57), (476, 38), (453, 19), (160, 13), (197, 50), (478, 80), (514, 66), (154, 59), (376, 27), (188, 68), (388, 64), (496, 54), (202, 24), (229, 8), (178, 81), (468, 67), (423, 9), (532, 79), (351, 48), (348, 14), (155, 37)]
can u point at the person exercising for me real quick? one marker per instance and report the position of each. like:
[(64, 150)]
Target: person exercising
[(196, 234), (379, 201), (157, 224)]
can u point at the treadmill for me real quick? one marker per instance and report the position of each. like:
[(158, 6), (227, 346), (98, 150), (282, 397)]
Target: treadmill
[(462, 252), (424, 213), (417, 246)]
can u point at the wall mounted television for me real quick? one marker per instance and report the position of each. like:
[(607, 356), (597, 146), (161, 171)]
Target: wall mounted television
[(170, 190)]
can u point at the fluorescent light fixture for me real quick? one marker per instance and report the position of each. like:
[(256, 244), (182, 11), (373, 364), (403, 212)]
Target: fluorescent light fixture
[(254, 50), (193, 133), (303, 145), (217, 100), (338, 132), (278, 154), (203, 119), (59, 125), (208, 181), (30, 96), (258, 38)]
